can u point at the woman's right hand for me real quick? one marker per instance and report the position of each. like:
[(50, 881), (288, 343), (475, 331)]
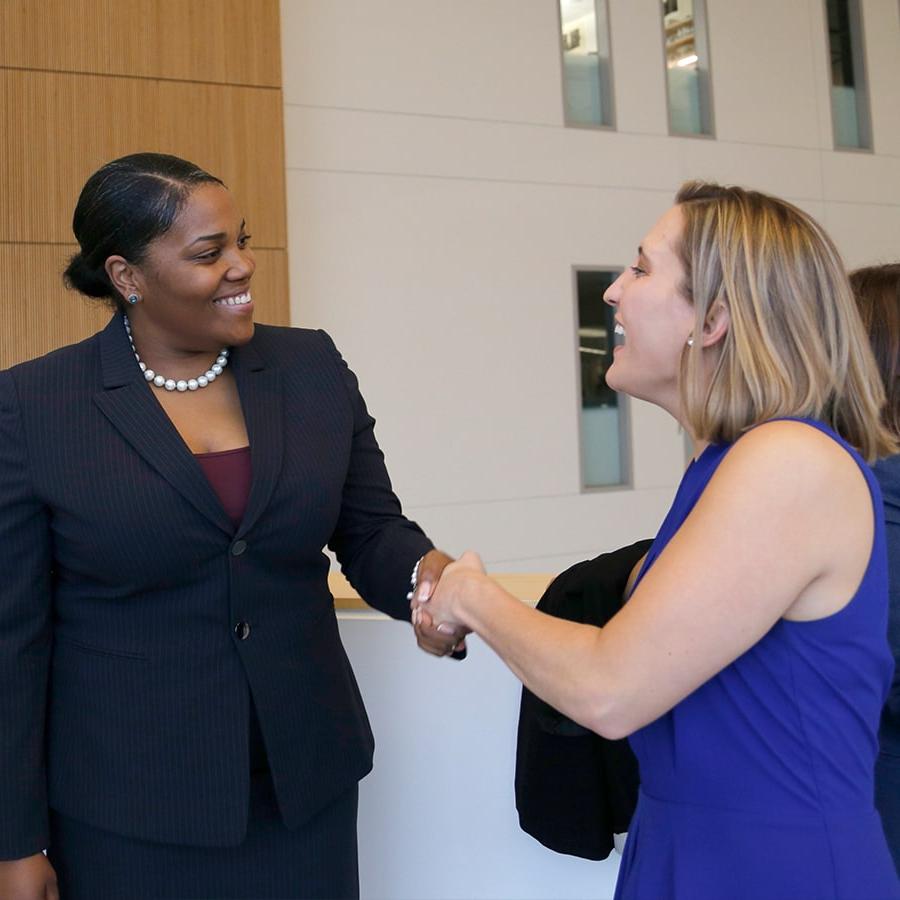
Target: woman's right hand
[(31, 878)]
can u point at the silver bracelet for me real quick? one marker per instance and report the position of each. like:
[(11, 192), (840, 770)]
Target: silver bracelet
[(414, 578)]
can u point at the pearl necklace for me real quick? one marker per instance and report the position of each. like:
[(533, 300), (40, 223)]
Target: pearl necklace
[(192, 384)]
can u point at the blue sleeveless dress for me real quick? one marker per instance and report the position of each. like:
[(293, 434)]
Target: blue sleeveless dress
[(759, 784)]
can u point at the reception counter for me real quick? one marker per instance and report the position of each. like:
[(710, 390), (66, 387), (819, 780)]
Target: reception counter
[(528, 587)]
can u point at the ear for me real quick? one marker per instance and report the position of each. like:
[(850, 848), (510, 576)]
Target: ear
[(124, 277), (718, 321)]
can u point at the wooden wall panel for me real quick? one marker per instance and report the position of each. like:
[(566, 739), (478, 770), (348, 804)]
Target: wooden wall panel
[(66, 126), (238, 134), (85, 81), (271, 300), (43, 315), (226, 41), (38, 313)]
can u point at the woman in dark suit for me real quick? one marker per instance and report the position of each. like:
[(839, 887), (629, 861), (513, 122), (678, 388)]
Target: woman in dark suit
[(877, 291), (179, 716)]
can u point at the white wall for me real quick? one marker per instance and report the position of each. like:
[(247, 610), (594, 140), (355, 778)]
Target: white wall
[(437, 205)]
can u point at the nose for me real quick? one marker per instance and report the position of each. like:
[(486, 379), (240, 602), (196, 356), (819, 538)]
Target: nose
[(242, 264), (612, 293)]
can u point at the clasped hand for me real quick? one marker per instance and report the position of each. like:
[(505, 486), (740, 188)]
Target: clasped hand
[(435, 617)]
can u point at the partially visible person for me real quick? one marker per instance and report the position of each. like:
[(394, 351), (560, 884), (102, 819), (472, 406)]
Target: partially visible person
[(179, 717), (750, 663), (877, 290)]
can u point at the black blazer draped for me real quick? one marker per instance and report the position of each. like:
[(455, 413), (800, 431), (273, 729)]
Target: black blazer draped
[(575, 789), (124, 682)]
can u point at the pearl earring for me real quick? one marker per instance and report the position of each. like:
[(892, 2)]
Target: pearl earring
[(133, 298), (690, 342)]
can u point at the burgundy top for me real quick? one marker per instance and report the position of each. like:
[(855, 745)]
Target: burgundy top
[(229, 473)]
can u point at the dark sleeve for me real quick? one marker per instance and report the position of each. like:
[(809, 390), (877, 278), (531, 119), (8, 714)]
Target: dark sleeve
[(887, 471), (891, 719), (376, 545), (25, 640)]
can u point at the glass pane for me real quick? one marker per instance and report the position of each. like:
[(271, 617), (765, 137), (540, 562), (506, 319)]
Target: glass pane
[(849, 105), (586, 69), (846, 116), (686, 66), (601, 414)]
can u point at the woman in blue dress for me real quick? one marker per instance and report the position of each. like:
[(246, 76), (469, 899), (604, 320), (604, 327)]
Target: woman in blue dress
[(750, 663), (877, 291)]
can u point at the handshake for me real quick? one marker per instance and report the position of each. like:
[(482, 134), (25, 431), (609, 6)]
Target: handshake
[(439, 586)]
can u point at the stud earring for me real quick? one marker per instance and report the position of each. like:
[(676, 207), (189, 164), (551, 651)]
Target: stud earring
[(134, 298), (690, 342)]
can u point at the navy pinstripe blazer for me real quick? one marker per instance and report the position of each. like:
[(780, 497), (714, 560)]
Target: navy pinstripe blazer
[(124, 691)]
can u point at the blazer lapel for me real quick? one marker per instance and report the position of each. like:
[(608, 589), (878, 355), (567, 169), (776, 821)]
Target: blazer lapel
[(260, 390), (128, 402)]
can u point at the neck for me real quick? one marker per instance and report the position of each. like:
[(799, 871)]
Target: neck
[(178, 378), (172, 361), (698, 445)]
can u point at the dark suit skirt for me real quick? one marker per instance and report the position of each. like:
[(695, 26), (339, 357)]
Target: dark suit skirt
[(318, 860)]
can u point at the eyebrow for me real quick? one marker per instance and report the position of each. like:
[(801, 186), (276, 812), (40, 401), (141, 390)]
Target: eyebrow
[(642, 252), (217, 236)]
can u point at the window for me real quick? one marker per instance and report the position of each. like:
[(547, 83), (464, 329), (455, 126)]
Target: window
[(687, 66), (587, 76), (603, 422), (849, 97)]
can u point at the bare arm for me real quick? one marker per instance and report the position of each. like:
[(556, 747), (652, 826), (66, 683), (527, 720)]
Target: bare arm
[(784, 528)]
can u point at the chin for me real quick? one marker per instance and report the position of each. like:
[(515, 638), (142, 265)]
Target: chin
[(621, 385), (240, 335), (611, 380)]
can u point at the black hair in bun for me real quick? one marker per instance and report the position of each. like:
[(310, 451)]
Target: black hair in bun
[(123, 206)]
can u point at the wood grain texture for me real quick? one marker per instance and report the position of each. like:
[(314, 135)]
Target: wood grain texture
[(85, 81), (224, 41), (59, 128), (40, 314), (527, 587)]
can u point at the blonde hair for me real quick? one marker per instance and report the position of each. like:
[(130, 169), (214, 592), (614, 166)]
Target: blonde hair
[(795, 345)]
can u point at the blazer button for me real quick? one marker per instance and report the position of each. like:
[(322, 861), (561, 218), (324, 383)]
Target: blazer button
[(238, 547), (242, 631)]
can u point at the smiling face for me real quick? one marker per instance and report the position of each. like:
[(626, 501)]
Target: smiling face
[(194, 280), (653, 319)]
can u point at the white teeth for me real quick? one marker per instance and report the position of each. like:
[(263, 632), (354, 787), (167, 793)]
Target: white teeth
[(619, 330), (239, 300)]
